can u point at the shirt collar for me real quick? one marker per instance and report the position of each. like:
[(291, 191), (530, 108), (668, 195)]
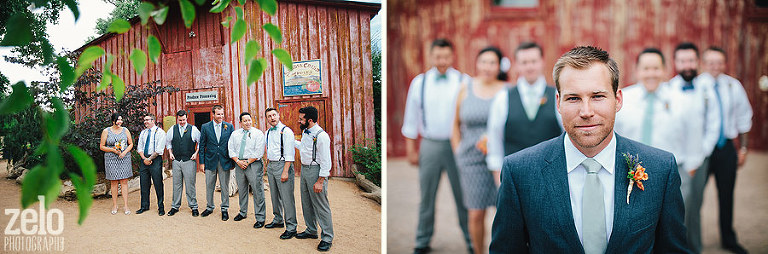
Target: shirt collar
[(181, 127), (152, 129), (314, 129), (433, 73), (538, 86), (606, 157)]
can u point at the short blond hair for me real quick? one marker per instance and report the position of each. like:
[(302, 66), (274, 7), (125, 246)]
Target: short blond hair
[(582, 57)]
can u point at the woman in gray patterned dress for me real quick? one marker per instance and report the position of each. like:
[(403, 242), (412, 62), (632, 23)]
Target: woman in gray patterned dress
[(473, 105), (116, 142)]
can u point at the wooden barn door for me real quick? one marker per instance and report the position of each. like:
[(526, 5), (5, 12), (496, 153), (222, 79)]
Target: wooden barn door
[(289, 115)]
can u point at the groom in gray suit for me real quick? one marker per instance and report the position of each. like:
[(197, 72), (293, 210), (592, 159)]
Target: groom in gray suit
[(571, 193)]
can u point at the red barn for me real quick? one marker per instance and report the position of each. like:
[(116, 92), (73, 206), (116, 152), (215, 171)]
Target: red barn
[(623, 28), (202, 61)]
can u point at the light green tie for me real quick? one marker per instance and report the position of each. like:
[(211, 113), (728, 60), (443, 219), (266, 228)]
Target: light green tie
[(532, 107), (593, 210), (242, 145), (648, 119)]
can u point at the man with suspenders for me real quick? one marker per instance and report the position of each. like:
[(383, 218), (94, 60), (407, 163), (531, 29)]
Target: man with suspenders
[(280, 157), (315, 151), (430, 109), (151, 147)]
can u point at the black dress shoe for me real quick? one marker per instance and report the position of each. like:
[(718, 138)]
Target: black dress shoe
[(422, 250), (239, 217), (305, 235), (207, 212), (274, 225), (288, 235), (160, 212), (258, 224), (142, 210), (173, 211), (195, 213), (735, 248), (324, 246), (224, 216)]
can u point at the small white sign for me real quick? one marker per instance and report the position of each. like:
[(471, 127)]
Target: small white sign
[(203, 96)]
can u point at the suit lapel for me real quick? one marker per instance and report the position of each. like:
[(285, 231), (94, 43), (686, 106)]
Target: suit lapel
[(620, 207), (556, 171)]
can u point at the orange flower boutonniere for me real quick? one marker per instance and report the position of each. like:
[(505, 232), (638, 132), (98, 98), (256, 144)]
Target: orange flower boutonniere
[(636, 174), (543, 100)]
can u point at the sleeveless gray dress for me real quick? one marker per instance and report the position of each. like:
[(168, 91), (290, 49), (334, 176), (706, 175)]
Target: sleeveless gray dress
[(116, 168), (476, 180)]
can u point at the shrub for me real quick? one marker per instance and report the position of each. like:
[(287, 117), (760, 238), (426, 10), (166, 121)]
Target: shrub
[(368, 156)]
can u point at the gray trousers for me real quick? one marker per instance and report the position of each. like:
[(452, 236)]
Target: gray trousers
[(314, 205), (184, 174), (252, 176), (282, 194), (693, 206), (436, 156), (210, 186)]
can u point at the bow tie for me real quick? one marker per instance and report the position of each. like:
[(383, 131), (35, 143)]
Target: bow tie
[(273, 128), (688, 86), (307, 131), (442, 76)]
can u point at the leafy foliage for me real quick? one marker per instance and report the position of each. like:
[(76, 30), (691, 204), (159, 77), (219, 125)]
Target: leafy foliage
[(368, 156), (124, 10)]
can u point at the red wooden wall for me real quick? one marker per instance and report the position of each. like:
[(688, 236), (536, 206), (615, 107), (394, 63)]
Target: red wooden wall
[(623, 28), (337, 33)]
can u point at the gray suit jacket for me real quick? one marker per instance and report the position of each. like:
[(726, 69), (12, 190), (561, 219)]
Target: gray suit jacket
[(534, 208)]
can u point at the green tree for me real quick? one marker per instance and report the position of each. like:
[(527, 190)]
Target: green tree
[(126, 9)]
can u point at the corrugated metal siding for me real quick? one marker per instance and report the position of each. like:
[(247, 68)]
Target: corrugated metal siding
[(337, 35), (623, 28)]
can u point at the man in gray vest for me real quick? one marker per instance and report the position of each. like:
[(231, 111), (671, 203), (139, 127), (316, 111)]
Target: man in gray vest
[(182, 144), (280, 154), (315, 151), (215, 160), (430, 109), (246, 147), (524, 115)]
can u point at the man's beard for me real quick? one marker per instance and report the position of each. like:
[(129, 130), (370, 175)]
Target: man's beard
[(304, 125), (688, 74)]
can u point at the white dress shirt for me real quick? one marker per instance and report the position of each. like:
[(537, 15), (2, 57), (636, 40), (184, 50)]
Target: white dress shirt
[(676, 128), (323, 156), (195, 135), (156, 141), (497, 118), (217, 130), (439, 104), (703, 103), (273, 143), (736, 108), (577, 175), (254, 144)]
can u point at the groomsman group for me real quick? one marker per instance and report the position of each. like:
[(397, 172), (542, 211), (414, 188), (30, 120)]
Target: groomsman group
[(222, 149), (695, 117)]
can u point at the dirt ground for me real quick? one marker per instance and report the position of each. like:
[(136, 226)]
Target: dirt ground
[(356, 221), (750, 210)]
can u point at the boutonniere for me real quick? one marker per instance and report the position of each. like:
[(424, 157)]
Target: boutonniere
[(225, 127), (543, 100), (636, 173)]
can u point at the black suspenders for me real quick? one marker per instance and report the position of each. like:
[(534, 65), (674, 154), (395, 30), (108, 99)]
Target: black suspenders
[(314, 148), (282, 154), (423, 85)]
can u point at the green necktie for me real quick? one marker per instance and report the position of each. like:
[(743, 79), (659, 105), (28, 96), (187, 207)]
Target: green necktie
[(593, 210), (242, 145), (648, 119)]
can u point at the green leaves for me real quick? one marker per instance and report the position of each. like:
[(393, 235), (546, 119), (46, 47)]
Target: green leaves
[(153, 46), (87, 58), (145, 11), (256, 69), (222, 4), (238, 31), (268, 6), (67, 77), (56, 123), (139, 60), (239, 12), (106, 74), (160, 14), (225, 23), (283, 57), (84, 185), (72, 5), (274, 32), (17, 31), (119, 26), (17, 101), (118, 87), (187, 12), (251, 48), (199, 2)]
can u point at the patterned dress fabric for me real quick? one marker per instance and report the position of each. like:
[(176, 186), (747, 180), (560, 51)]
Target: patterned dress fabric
[(476, 180), (115, 167)]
